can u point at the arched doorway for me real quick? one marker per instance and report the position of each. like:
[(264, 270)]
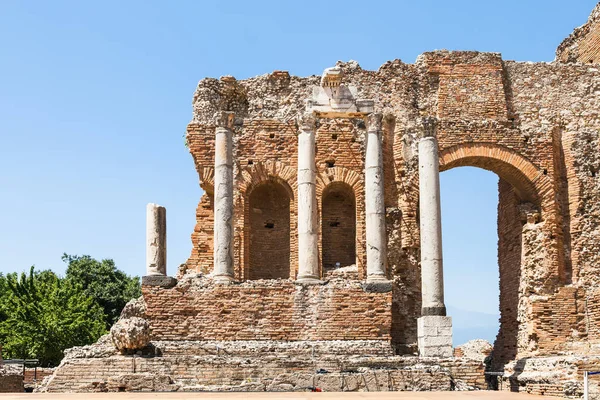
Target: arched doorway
[(269, 215), (525, 258), (469, 200), (338, 226)]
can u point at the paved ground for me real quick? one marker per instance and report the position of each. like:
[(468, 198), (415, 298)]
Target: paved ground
[(483, 395)]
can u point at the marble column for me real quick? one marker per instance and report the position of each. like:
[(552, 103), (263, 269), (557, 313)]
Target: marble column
[(223, 187), (434, 327), (308, 250), (156, 240), (374, 202)]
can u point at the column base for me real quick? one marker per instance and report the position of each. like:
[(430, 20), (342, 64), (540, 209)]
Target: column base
[(434, 336), (377, 285), (308, 280), (223, 279), (159, 280)]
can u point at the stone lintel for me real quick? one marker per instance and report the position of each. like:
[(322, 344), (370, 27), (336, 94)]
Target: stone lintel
[(159, 280)]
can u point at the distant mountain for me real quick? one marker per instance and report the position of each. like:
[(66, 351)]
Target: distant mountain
[(468, 325)]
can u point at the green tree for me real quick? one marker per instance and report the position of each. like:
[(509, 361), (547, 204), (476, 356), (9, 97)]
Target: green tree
[(41, 315), (101, 280)]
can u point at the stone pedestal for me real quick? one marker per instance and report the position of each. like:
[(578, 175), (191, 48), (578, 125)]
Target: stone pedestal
[(434, 336), (223, 211), (308, 229)]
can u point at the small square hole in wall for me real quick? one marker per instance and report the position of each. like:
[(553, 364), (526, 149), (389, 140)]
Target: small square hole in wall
[(272, 135), (250, 162), (330, 163), (334, 136), (269, 225)]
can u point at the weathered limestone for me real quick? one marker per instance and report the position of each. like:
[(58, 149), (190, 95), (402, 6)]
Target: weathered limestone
[(308, 229), (430, 222), (332, 99), (156, 240), (374, 202), (434, 336), (434, 329), (223, 187)]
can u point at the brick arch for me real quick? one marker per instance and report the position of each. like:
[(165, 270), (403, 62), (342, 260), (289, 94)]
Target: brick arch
[(270, 170), (528, 180), (521, 181), (252, 177), (339, 174), (355, 182)]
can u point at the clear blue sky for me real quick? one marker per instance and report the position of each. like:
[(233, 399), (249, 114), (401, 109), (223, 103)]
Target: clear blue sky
[(95, 97)]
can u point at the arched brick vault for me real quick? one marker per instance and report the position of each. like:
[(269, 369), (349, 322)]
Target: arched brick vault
[(249, 178), (531, 184), (355, 181)]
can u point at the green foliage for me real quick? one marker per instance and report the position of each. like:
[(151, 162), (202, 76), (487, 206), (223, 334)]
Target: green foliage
[(41, 315), (102, 281)]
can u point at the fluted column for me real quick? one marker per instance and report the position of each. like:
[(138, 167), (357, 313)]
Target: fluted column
[(308, 251), (223, 186), (434, 327), (156, 240), (374, 202)]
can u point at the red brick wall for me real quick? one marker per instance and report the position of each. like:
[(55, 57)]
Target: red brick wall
[(338, 226), (269, 232), (268, 311)]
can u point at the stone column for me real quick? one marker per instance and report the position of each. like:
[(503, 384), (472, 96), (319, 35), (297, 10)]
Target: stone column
[(434, 327), (223, 212), (156, 240), (374, 203), (308, 250)]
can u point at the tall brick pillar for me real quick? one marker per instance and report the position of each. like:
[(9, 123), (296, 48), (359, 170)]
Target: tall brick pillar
[(434, 328), (374, 202), (308, 230), (223, 211)]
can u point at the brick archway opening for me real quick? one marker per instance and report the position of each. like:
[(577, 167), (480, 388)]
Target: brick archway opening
[(519, 196), (338, 226), (269, 236)]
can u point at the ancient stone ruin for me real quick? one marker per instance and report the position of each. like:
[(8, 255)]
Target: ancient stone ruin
[(316, 257)]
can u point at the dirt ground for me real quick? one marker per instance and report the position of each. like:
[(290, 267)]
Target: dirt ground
[(484, 395)]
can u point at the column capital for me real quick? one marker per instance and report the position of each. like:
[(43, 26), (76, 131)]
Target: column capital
[(224, 119), (307, 121), (374, 122), (427, 127)]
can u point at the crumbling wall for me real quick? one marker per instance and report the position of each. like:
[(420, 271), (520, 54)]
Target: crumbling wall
[(583, 45), (533, 124), (11, 379), (261, 366)]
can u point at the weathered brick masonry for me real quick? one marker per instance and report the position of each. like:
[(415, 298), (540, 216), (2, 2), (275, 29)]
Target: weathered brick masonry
[(534, 124), (266, 310)]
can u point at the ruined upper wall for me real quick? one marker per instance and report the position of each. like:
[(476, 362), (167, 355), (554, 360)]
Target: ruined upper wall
[(583, 45)]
